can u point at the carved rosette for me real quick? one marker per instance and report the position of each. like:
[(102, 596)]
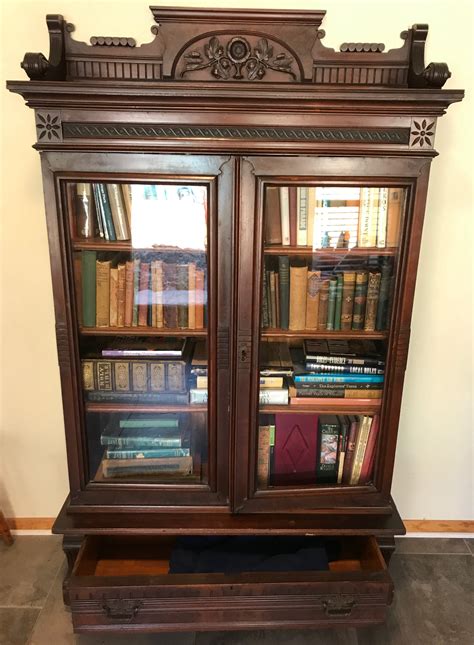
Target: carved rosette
[(422, 132), (48, 126)]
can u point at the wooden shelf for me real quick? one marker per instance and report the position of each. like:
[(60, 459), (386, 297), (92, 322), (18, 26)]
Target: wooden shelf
[(140, 331), (332, 408), (311, 333), (92, 406), (126, 245), (307, 250)]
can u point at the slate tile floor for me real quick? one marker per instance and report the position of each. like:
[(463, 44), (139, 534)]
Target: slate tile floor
[(433, 602)]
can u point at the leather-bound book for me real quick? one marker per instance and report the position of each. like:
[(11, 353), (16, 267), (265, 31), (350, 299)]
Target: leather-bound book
[(272, 216), (84, 210), (295, 449), (89, 283), (372, 301), (284, 290), (360, 449), (121, 295), (312, 299), (293, 203), (277, 299), (394, 215), (381, 321), (143, 291), (331, 303), (117, 208), (200, 297), (102, 305), (129, 272), (347, 299), (360, 300), (338, 307), (113, 297), (351, 444), (182, 295), (273, 316), (366, 472), (170, 306), (136, 290), (265, 301), (127, 204), (157, 293), (263, 458), (192, 295), (298, 289), (323, 305), (328, 447)]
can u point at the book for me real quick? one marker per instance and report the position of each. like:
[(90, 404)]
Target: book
[(347, 300), (201, 382), (102, 196), (121, 295), (123, 375), (363, 234), (331, 303), (327, 449), (275, 359), (336, 393), (113, 303), (338, 306), (149, 348), (374, 199), (295, 449), (285, 216), (140, 438), (200, 299), (191, 283), (340, 402), (298, 288), (360, 300), (263, 457), (100, 215), (136, 290), (272, 216), (102, 306), (265, 300), (182, 295), (394, 215), (344, 352), (344, 424), (170, 398), (146, 453), (129, 278), (323, 304), (273, 396), (351, 444), (127, 204), (312, 299), (274, 382), (293, 213), (382, 218), (373, 289), (84, 209), (127, 467), (284, 290), (302, 216), (198, 396), (273, 301), (312, 366), (369, 456), (381, 319), (89, 283), (117, 209), (359, 451), (338, 378), (311, 215), (170, 307), (161, 422)]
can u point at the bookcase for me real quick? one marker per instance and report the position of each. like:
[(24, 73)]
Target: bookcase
[(234, 216)]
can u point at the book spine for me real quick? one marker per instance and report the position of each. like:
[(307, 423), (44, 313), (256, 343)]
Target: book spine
[(138, 397), (277, 299), (369, 457), (381, 320), (394, 215), (197, 396), (337, 393), (343, 437), (363, 235), (284, 288), (104, 200), (121, 372), (181, 291), (147, 453), (360, 449), (84, 211), (200, 298), (129, 277), (159, 294), (360, 300), (293, 210), (119, 217), (372, 301), (345, 369), (88, 271), (99, 212), (347, 300), (331, 303), (136, 290), (323, 305), (273, 304), (298, 288), (273, 397), (312, 299), (285, 216), (342, 360), (343, 387), (127, 204), (265, 301), (192, 295), (271, 381), (333, 378), (338, 307), (102, 293), (374, 195), (78, 293), (113, 305), (121, 295), (272, 216), (153, 293), (302, 216), (382, 218), (351, 444), (157, 381), (327, 452), (163, 423), (140, 442), (263, 460), (143, 287), (118, 467), (311, 216)]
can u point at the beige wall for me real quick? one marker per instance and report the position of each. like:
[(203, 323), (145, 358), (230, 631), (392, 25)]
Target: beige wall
[(434, 460)]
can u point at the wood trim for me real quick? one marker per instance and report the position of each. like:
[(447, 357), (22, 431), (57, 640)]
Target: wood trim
[(412, 526)]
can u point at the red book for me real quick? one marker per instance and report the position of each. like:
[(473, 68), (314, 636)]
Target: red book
[(351, 444), (369, 457), (295, 449), (293, 200), (143, 299)]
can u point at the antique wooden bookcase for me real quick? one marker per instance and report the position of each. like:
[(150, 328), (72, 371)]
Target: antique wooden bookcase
[(189, 140)]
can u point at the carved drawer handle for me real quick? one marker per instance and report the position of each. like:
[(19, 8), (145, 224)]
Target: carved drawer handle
[(338, 608), (121, 611)]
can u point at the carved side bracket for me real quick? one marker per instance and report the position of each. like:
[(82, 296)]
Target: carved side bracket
[(434, 74), (40, 68)]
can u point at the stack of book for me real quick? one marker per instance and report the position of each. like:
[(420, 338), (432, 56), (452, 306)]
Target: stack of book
[(276, 371), (337, 217), (146, 447), (102, 210), (342, 372), (140, 293), (316, 449), (296, 297), (139, 372)]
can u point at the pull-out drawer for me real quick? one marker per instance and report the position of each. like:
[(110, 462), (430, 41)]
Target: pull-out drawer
[(122, 583)]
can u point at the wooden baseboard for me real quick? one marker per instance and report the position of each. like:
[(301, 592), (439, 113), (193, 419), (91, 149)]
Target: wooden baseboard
[(412, 526)]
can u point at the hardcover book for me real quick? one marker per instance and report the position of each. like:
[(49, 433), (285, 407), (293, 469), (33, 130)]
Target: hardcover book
[(327, 450), (295, 449)]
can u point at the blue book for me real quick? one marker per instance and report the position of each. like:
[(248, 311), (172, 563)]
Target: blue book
[(330, 378)]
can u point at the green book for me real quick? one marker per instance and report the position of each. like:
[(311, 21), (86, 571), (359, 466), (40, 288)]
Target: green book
[(136, 286), (360, 300), (182, 294), (89, 259), (109, 222), (147, 453), (331, 303), (164, 422), (284, 282), (338, 307), (384, 295)]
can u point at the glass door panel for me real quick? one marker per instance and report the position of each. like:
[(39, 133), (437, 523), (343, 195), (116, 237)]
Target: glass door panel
[(330, 258), (141, 276)]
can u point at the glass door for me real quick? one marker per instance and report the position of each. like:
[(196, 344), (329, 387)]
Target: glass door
[(325, 282), (145, 256)]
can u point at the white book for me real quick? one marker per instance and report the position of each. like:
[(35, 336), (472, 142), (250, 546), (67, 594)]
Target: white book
[(285, 215), (364, 218), (374, 194), (270, 396), (302, 216), (382, 218)]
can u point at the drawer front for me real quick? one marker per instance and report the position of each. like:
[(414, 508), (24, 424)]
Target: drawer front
[(189, 602)]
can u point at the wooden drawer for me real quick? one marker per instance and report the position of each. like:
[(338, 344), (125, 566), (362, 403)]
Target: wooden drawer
[(122, 583)]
